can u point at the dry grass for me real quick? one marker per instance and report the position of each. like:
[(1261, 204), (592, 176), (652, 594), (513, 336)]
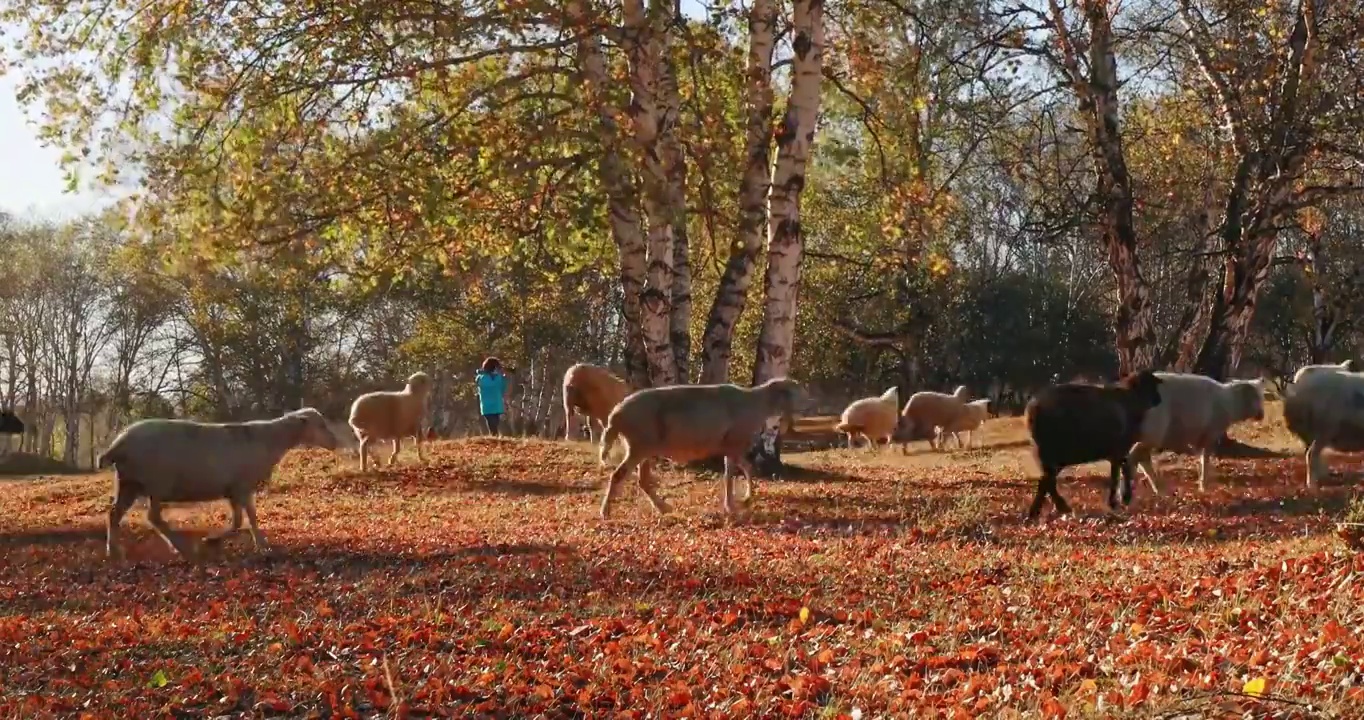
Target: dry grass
[(484, 585)]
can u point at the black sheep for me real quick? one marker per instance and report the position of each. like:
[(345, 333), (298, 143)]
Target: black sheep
[(1078, 423)]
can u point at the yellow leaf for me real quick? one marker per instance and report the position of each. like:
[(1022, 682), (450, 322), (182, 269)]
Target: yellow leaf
[(1088, 686), (1138, 628), (1254, 687), (804, 615)]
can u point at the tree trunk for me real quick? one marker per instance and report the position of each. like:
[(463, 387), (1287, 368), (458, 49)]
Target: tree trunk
[(646, 44), (732, 294), (785, 249), (621, 193), (675, 155), (1272, 141), (1325, 319), (1097, 97)]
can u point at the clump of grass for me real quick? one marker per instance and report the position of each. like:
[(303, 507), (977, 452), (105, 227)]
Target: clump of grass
[(1354, 512)]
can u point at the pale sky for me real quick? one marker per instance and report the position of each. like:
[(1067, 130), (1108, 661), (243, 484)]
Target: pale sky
[(31, 182)]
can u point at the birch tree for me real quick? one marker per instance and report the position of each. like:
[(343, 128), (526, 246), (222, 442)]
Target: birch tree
[(731, 296), (785, 245)]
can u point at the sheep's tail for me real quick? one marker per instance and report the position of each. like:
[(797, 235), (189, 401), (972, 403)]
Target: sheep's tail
[(608, 440)]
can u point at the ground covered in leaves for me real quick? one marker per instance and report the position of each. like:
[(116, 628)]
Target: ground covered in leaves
[(867, 586)]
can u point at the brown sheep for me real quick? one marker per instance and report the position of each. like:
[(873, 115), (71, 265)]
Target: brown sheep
[(591, 391), (391, 415), (693, 422)]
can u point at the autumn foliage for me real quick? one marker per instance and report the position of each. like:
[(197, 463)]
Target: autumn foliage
[(483, 585)]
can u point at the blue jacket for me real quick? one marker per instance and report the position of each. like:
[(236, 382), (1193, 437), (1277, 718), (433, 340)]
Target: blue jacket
[(492, 387)]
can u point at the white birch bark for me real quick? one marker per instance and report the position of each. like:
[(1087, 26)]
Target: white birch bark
[(645, 41), (621, 191), (785, 248), (732, 293)]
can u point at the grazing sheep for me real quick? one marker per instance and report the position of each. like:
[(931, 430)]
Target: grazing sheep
[(1326, 410), (873, 418), (391, 415), (977, 412), (1077, 423), (592, 391), (1194, 413), (1350, 365), (693, 422), (927, 411), (186, 461)]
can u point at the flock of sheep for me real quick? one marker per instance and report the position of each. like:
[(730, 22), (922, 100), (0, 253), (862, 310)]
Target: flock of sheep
[(1070, 424)]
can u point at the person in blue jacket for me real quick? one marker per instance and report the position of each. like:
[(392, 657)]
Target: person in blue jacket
[(492, 393)]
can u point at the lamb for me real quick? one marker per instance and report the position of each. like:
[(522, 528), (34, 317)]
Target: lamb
[(873, 418), (391, 415), (1077, 423), (1350, 365), (926, 412), (592, 391), (1326, 410), (186, 461), (1194, 414), (977, 412), (693, 422)]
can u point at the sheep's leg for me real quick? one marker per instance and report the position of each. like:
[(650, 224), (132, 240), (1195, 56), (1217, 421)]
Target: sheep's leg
[(1045, 486), (172, 538), (1144, 456), (421, 456), (232, 529), (746, 468), (397, 445), (1204, 469), (248, 504), (123, 499), (727, 494), (649, 484), (364, 454), (1315, 471), (628, 464)]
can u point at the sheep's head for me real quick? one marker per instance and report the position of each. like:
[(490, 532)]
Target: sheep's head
[(1250, 399), (784, 396), (419, 383), (10, 424), (1145, 386), (961, 392), (313, 428)]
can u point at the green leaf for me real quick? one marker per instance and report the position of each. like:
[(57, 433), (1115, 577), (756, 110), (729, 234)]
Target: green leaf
[(159, 679)]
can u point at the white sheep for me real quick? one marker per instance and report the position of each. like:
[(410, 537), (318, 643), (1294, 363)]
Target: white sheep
[(1194, 414), (391, 415), (1326, 410), (927, 411), (1350, 365), (186, 461), (693, 422), (592, 391), (977, 412), (874, 418)]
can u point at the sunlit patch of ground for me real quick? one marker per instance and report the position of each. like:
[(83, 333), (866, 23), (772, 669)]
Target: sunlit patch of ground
[(484, 584)]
